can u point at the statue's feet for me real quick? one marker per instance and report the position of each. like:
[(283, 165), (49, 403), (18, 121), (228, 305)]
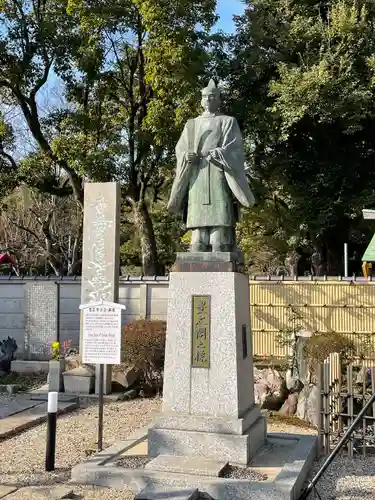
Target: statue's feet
[(223, 248), (199, 248)]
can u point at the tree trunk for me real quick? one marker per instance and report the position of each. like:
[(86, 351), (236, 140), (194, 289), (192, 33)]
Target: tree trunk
[(76, 255), (145, 228)]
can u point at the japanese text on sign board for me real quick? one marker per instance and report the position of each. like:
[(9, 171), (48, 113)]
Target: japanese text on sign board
[(201, 330), (102, 335)]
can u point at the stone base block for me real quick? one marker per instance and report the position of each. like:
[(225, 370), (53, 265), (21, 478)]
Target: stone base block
[(210, 257), (209, 262), (286, 460), (27, 367), (79, 385), (236, 449), (226, 388), (221, 425), (198, 466), (151, 493)]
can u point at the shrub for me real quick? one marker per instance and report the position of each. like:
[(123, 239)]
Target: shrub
[(321, 345), (143, 347)]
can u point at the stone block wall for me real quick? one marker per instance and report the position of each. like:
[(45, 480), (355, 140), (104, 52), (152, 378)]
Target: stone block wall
[(142, 298)]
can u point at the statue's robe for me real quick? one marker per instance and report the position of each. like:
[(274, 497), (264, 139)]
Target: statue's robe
[(211, 189)]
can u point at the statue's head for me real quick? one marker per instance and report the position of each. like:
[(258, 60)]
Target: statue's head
[(211, 97)]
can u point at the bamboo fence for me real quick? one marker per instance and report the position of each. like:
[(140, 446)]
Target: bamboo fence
[(345, 389)]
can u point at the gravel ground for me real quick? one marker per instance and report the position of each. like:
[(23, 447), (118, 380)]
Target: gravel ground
[(290, 429), (5, 398), (232, 472), (132, 462), (347, 479), (80, 493), (22, 457)]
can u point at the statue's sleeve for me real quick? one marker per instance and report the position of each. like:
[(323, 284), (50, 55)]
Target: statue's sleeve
[(182, 178), (231, 157)]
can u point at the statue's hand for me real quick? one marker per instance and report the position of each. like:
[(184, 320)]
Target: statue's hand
[(214, 157), (192, 158)]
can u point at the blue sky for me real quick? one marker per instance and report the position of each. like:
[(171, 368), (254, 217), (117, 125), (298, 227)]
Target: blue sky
[(226, 9)]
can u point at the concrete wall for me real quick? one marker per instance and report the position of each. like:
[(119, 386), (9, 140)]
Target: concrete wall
[(12, 307), (340, 305), (143, 299)]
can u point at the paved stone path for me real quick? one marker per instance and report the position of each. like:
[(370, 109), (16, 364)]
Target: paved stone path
[(43, 492), (16, 405), (22, 411)]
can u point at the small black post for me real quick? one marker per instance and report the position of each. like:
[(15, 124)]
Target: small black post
[(51, 430), (101, 407)]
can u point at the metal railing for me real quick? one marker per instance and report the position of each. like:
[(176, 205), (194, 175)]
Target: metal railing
[(313, 483)]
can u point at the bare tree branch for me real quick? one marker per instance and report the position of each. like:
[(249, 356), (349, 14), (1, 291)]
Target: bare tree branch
[(43, 79), (27, 230), (8, 157)]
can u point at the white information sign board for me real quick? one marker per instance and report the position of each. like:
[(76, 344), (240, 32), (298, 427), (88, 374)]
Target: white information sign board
[(102, 333), (368, 214)]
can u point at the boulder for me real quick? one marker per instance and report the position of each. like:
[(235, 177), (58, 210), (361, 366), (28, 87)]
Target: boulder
[(270, 388), (274, 381), (258, 374), (293, 383), (302, 371), (308, 407), (125, 376), (261, 391), (73, 361), (360, 377), (289, 407)]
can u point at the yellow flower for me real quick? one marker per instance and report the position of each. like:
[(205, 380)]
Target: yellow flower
[(55, 345)]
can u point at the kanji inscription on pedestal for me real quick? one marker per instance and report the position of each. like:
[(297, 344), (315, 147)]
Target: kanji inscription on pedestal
[(201, 330)]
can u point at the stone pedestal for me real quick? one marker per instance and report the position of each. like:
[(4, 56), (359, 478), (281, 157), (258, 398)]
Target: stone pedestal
[(80, 380), (208, 398), (55, 375)]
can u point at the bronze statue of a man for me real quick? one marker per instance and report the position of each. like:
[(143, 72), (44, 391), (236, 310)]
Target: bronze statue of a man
[(210, 179)]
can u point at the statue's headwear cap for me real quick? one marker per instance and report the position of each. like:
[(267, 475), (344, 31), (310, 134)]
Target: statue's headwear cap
[(212, 88)]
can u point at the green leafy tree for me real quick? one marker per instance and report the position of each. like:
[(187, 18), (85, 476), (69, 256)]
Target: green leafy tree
[(34, 39), (130, 69), (153, 63), (303, 82), (169, 232)]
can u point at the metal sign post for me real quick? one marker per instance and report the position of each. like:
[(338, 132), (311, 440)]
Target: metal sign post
[(101, 407), (101, 344)]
